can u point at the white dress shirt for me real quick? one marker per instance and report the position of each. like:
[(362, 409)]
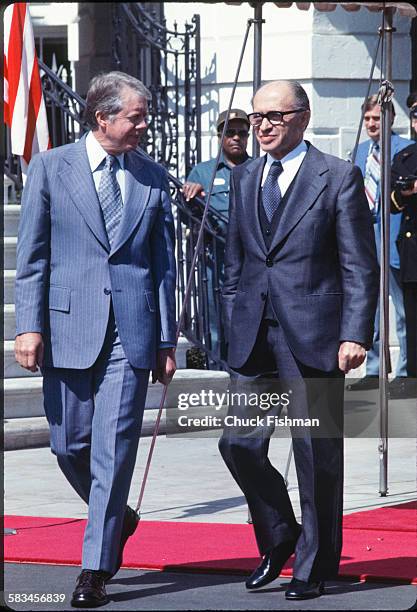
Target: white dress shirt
[(290, 166), (96, 156)]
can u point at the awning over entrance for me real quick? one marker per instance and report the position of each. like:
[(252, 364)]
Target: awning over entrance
[(404, 8)]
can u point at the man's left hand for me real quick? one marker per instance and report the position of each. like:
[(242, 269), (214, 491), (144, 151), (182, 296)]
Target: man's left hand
[(351, 356), (165, 366)]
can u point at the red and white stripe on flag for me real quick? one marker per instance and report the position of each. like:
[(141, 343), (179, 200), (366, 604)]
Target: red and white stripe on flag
[(24, 106)]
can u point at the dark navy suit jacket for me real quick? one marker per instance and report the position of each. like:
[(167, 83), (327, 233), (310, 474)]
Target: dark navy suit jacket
[(320, 271)]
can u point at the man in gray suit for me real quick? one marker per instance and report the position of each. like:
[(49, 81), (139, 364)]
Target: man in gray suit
[(95, 308), (299, 299)]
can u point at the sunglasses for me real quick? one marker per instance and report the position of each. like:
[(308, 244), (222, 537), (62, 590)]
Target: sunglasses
[(230, 133)]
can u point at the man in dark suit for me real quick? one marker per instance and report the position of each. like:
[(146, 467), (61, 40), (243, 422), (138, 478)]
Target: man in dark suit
[(299, 297), (95, 308)]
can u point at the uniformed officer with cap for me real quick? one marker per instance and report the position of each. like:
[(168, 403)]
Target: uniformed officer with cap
[(198, 184), (233, 154), (404, 201)]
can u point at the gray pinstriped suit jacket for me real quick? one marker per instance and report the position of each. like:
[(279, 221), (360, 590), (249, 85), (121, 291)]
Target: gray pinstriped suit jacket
[(67, 275)]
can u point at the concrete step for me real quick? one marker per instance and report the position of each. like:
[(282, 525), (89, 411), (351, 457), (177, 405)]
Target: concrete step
[(11, 215), (33, 432), (9, 246), (9, 190), (23, 396), (9, 322), (8, 283), (9, 251), (181, 352)]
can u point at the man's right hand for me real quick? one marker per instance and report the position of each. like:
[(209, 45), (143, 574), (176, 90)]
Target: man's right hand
[(28, 350), (191, 190)]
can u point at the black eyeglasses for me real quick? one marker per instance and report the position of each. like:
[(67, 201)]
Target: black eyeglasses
[(413, 113), (230, 133), (274, 117)]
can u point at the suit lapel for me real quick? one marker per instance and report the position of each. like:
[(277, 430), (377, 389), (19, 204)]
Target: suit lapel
[(250, 185), (77, 178), (309, 183), (137, 192)]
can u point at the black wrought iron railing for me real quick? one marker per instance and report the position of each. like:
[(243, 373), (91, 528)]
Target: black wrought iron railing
[(64, 108), (168, 61), (202, 321)]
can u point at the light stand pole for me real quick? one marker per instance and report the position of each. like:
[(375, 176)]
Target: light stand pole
[(257, 60), (385, 93)]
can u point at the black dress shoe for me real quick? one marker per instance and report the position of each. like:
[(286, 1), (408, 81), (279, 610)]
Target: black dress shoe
[(90, 590), (271, 565), (365, 383), (298, 589), (130, 522), (402, 388)]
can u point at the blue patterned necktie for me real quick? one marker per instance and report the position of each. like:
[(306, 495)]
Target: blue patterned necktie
[(372, 177), (110, 197), (271, 193)]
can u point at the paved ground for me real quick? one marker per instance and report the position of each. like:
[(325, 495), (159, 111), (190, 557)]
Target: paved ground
[(189, 482), (140, 590)]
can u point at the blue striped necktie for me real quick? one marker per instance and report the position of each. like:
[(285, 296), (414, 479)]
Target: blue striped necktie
[(110, 197), (271, 193)]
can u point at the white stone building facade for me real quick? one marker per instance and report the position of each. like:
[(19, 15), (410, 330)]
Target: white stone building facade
[(330, 53)]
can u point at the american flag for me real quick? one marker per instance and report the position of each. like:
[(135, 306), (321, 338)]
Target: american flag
[(24, 106)]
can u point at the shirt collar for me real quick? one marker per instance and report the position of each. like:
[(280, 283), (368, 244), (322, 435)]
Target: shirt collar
[(300, 149), (223, 162), (96, 154)]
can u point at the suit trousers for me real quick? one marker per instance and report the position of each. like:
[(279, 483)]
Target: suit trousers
[(95, 417), (318, 461), (372, 359), (410, 303)]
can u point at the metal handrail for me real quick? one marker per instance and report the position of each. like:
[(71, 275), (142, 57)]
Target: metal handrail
[(73, 94), (169, 61), (155, 23)]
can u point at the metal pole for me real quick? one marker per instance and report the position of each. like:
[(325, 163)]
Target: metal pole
[(386, 92), (257, 61), (193, 264)]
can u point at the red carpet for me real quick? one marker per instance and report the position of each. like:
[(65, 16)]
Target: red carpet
[(378, 544)]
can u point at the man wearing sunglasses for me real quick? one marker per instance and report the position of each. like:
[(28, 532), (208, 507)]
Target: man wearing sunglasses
[(299, 301), (233, 153), (198, 184)]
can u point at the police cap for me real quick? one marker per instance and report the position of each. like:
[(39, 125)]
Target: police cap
[(235, 113)]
